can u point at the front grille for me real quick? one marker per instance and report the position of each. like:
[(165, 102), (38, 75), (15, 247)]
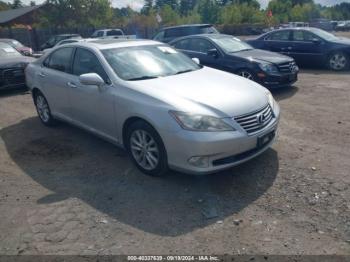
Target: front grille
[(288, 67), (256, 121), (11, 76)]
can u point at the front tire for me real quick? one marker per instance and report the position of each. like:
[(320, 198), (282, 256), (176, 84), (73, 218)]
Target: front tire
[(146, 149), (43, 109), (338, 61), (246, 73)]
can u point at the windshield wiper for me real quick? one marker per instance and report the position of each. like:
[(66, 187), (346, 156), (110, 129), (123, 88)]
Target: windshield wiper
[(184, 71), (142, 78)]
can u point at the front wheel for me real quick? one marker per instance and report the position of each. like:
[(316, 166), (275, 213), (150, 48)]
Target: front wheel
[(146, 149), (338, 61), (43, 109), (246, 74)]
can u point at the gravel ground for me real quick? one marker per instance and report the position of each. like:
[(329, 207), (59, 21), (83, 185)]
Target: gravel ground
[(64, 191)]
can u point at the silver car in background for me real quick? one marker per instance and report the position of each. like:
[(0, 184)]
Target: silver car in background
[(165, 109)]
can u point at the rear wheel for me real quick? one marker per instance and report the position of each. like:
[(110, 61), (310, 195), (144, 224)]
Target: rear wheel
[(43, 109), (146, 149), (338, 61)]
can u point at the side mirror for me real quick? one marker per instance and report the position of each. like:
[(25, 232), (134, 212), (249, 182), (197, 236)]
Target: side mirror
[(213, 52), (196, 60), (316, 41), (91, 79)]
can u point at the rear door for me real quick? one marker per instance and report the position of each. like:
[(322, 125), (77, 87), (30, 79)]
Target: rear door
[(279, 41), (92, 106), (307, 48), (53, 77)]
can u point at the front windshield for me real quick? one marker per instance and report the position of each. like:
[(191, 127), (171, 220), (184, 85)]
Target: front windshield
[(325, 35), (231, 44), (146, 62), (7, 51)]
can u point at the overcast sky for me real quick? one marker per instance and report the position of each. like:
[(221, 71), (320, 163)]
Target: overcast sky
[(137, 4)]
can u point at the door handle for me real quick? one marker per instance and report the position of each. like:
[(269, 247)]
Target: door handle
[(71, 85), (41, 74), (290, 48)]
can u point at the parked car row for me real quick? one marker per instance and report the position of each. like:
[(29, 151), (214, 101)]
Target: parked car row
[(197, 104)]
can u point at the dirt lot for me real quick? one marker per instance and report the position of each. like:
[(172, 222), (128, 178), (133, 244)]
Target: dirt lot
[(64, 191)]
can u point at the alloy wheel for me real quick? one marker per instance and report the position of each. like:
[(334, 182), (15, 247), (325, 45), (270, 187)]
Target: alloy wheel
[(338, 61), (246, 74), (144, 149), (43, 108)]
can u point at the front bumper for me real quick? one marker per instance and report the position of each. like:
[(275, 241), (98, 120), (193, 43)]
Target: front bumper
[(223, 149), (278, 80)]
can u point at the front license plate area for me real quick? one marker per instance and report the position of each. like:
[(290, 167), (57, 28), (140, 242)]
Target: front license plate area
[(265, 139)]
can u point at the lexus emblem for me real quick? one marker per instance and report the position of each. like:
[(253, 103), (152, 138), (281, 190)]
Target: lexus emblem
[(291, 67), (260, 119)]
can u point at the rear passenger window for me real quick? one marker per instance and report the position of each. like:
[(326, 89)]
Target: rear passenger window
[(60, 60), (86, 62), (114, 32), (279, 36)]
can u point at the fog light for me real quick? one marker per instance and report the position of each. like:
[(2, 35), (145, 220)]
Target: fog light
[(199, 161)]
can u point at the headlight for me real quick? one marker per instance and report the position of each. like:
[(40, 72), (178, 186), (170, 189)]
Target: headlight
[(201, 123), (270, 98), (268, 68)]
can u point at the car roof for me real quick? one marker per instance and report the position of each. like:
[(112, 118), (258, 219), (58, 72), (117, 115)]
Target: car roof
[(188, 25), (210, 36), (115, 43)]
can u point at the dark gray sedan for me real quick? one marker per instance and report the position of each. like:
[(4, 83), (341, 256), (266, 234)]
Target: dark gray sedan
[(12, 65)]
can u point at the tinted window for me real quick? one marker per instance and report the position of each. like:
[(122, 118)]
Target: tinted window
[(303, 36), (201, 45), (180, 31), (159, 36), (60, 60), (208, 30), (99, 34), (86, 62), (182, 44), (114, 32), (279, 36)]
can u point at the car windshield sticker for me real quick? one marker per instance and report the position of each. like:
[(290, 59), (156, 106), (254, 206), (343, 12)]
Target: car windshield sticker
[(166, 49)]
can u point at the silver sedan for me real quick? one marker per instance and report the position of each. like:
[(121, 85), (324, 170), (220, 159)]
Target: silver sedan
[(165, 109)]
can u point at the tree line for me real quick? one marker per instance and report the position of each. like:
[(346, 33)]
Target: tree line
[(154, 13)]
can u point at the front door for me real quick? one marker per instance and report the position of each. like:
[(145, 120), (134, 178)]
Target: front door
[(307, 48), (92, 106)]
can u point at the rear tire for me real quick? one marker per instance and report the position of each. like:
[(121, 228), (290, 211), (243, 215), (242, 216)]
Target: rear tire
[(338, 61), (146, 149), (43, 109)]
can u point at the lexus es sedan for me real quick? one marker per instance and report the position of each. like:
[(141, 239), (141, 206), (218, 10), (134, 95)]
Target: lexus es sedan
[(161, 106), (12, 64), (308, 46), (230, 54)]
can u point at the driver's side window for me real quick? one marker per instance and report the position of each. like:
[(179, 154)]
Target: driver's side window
[(86, 62)]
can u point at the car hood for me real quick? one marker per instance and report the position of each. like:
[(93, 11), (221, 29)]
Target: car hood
[(342, 40), (19, 61), (206, 91), (263, 56)]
